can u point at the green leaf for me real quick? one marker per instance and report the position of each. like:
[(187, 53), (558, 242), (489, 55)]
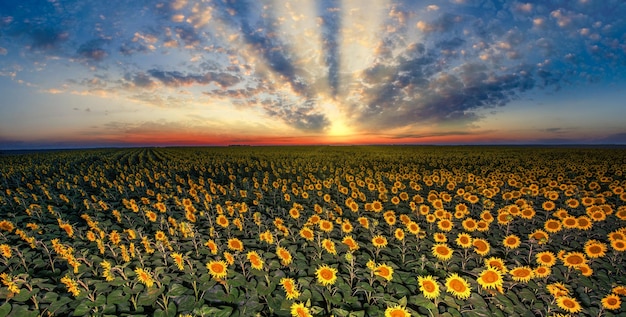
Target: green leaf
[(5, 309), (82, 309), (24, 295), (177, 290), (117, 296), (185, 302)]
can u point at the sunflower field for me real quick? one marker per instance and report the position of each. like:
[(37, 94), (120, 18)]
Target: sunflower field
[(314, 231)]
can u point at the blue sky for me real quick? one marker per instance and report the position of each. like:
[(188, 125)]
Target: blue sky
[(126, 73)]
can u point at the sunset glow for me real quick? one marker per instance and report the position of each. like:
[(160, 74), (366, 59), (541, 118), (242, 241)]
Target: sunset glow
[(184, 72)]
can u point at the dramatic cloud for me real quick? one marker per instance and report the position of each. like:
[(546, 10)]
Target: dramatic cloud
[(329, 66)]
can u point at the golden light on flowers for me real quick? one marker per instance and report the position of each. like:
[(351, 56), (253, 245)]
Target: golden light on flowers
[(445, 225), (326, 275), (585, 269), (490, 278), (377, 206), (595, 249), (385, 271), (290, 288), (284, 256), (144, 277), (522, 273), (440, 237), (496, 263), (469, 224), (6, 225), (178, 260), (481, 246), (619, 290), (299, 310), (557, 289), (568, 304), (325, 225), (397, 311), (511, 241), (235, 244), (6, 251), (539, 236), (307, 234), (552, 225), (413, 228), (428, 286), (255, 260), (611, 302), (71, 285), (619, 245), (160, 236), (329, 246), (379, 241), (542, 271), (574, 259), (222, 221), (217, 269), (212, 246), (458, 286), (464, 240), (584, 223), (442, 252), (546, 258), (350, 243), (399, 234), (569, 222)]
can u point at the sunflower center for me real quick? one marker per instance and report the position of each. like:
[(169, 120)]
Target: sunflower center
[(457, 286), (326, 274), (546, 258), (490, 277), (396, 313), (575, 259), (429, 286), (522, 273), (595, 249), (569, 304), (442, 250), (217, 268)]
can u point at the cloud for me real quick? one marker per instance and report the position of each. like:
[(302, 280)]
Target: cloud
[(177, 79), (92, 50)]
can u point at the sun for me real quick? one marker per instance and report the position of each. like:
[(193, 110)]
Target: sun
[(339, 126)]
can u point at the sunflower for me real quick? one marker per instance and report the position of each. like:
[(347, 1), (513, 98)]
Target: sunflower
[(574, 259), (542, 271), (350, 243), (619, 245), (548, 205), (284, 256), (6, 225), (377, 206), (397, 311), (299, 310), (612, 302), (442, 252), (490, 278), (445, 225), (364, 222), (151, 216), (540, 236), (290, 288), (255, 260), (458, 286), (511, 241), (469, 224), (584, 223), (235, 244), (528, 213), (178, 260), (70, 284), (379, 241), (399, 234), (546, 258), (144, 277), (464, 240), (522, 273), (568, 304), (329, 246), (346, 227), (326, 275), (307, 234), (385, 271), (325, 225), (5, 249), (440, 237), (314, 219), (552, 225), (504, 218), (595, 249), (557, 289), (212, 246), (569, 222), (585, 269), (217, 269), (413, 227), (619, 290), (428, 286), (496, 263), (481, 246), (482, 226), (230, 259)]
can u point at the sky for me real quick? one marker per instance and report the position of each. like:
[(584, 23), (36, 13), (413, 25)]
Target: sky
[(92, 73)]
